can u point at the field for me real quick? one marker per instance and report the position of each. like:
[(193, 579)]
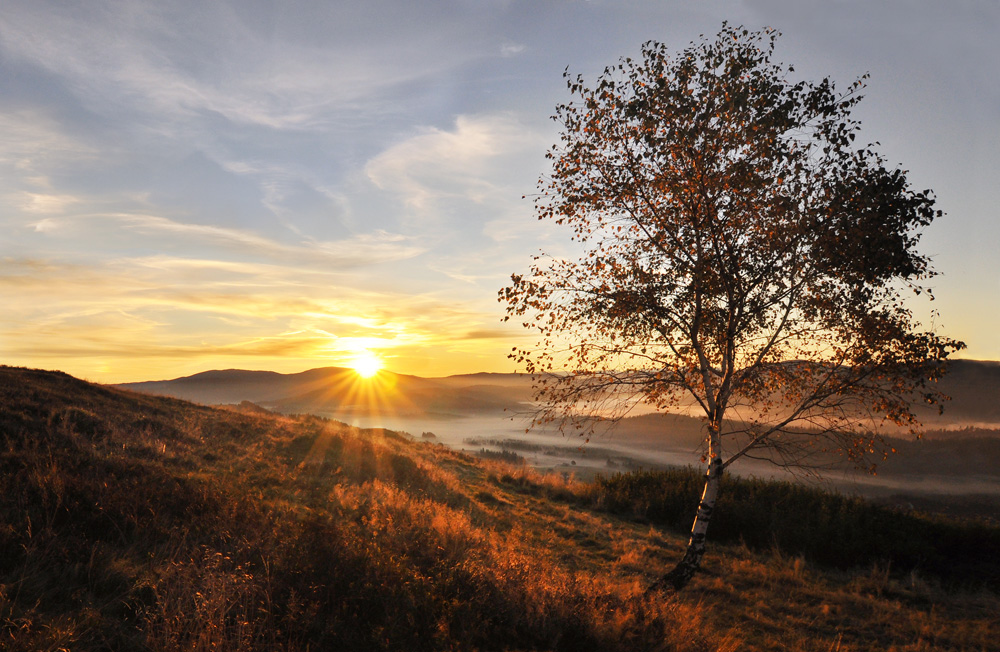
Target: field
[(136, 522)]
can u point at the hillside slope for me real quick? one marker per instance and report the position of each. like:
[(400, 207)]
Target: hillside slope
[(138, 522), (130, 521)]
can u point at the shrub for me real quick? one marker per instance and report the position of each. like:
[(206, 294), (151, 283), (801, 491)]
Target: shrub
[(824, 527)]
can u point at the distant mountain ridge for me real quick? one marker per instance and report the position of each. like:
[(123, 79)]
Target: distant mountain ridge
[(338, 389), (974, 386)]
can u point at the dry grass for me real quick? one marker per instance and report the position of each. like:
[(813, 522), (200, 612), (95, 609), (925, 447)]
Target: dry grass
[(132, 522)]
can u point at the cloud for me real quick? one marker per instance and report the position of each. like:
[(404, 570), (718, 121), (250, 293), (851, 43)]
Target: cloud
[(33, 140), (33, 202), (109, 338), (362, 249), (185, 60), (40, 292), (469, 162), (201, 305), (45, 226), (509, 49), (492, 334), (296, 195)]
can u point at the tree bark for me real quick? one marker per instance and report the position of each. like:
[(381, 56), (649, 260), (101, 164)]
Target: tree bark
[(685, 569)]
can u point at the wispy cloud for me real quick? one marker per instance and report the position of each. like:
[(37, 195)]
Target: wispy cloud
[(164, 307), (34, 202), (359, 250), (189, 59), (509, 49), (468, 162), (33, 142)]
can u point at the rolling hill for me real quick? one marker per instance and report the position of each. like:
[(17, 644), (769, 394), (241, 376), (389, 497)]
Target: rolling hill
[(130, 521), (336, 390), (973, 385)]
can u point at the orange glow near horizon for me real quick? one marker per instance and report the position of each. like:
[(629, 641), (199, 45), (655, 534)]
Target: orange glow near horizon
[(347, 396)]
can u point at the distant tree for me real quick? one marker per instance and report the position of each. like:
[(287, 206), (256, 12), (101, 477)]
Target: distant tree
[(740, 256)]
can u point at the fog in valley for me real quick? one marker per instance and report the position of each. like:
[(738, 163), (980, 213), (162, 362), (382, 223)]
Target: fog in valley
[(954, 468), (627, 448)]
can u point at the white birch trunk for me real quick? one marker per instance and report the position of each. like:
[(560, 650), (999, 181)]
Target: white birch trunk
[(685, 569)]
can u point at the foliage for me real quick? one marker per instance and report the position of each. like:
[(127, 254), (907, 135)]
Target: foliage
[(503, 455), (742, 256), (825, 528)]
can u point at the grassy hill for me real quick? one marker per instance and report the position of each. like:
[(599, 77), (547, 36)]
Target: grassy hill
[(137, 522)]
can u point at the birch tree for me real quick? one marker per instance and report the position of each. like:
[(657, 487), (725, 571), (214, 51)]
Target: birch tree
[(741, 256)]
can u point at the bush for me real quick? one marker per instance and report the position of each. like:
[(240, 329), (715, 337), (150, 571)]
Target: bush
[(827, 528)]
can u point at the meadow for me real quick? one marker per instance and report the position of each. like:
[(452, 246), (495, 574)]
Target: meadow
[(133, 522)]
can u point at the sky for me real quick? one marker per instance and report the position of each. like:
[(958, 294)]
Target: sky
[(284, 185)]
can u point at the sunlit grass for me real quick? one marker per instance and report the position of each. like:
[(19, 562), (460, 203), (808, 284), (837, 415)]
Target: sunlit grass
[(135, 522)]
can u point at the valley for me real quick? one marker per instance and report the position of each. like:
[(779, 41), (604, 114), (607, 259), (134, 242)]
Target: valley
[(493, 412)]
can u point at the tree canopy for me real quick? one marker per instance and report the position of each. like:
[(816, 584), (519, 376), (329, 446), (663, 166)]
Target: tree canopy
[(741, 255)]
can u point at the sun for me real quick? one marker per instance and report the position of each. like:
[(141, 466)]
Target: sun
[(366, 365)]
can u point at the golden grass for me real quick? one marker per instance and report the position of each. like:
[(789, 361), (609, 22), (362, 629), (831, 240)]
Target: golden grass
[(149, 524)]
